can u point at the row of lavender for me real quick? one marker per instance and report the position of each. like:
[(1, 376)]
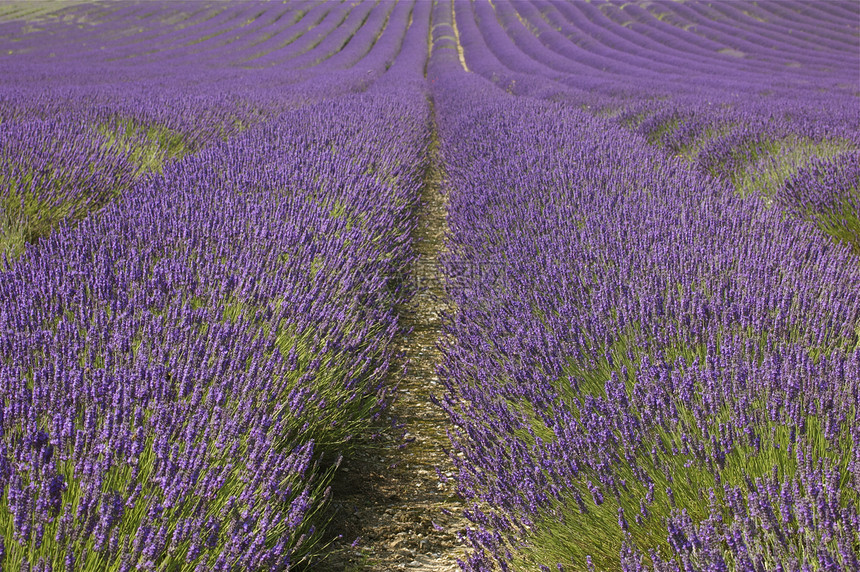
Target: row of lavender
[(750, 93), (91, 94), (182, 369), (646, 371)]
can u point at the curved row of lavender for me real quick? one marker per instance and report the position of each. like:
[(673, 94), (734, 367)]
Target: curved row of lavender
[(183, 368), (749, 92), (646, 371), (827, 193), (82, 90)]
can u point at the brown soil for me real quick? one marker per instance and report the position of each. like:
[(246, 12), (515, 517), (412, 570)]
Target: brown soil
[(390, 497)]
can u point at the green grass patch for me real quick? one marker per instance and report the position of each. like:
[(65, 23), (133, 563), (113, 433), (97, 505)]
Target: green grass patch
[(24, 218), (766, 165), (694, 147), (148, 146), (33, 11), (842, 223), (73, 191), (657, 136)]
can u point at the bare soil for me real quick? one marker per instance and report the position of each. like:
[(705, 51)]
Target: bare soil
[(391, 508)]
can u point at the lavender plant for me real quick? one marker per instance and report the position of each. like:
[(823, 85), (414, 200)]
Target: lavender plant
[(827, 192)]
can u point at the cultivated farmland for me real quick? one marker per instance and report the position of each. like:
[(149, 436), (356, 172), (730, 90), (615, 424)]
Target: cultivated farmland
[(508, 285)]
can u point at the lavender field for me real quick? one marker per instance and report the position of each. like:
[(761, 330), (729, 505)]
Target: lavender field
[(508, 285)]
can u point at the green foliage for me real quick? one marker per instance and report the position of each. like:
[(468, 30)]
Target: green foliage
[(657, 136), (765, 166), (33, 11), (25, 217), (148, 147), (843, 224)]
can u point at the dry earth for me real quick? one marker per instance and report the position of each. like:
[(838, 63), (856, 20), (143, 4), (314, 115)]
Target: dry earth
[(391, 499)]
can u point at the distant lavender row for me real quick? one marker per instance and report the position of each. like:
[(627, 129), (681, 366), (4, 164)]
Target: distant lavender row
[(660, 375), (80, 126), (749, 92), (599, 55)]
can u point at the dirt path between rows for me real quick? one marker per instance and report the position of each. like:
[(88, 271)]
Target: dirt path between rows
[(392, 499)]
